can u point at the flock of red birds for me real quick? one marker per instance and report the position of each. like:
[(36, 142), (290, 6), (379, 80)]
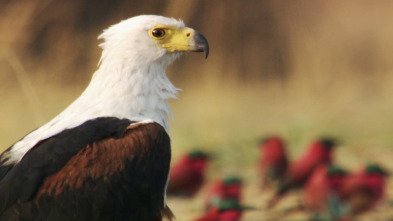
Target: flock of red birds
[(328, 191)]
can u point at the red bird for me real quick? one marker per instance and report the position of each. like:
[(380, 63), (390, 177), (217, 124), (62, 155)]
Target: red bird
[(188, 175), (228, 210), (322, 187), (224, 189), (273, 161), (361, 191), (318, 153)]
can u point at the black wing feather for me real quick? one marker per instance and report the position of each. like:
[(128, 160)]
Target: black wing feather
[(50, 155)]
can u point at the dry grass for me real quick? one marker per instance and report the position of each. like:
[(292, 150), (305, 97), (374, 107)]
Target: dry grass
[(307, 69)]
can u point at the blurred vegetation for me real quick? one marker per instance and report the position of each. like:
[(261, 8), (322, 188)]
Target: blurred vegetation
[(299, 69)]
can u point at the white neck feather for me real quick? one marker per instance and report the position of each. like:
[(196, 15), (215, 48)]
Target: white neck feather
[(135, 93)]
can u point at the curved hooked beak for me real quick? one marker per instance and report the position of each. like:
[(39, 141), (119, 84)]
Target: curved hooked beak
[(198, 43)]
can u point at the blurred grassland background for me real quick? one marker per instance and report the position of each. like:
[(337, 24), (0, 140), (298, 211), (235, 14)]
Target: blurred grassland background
[(300, 69)]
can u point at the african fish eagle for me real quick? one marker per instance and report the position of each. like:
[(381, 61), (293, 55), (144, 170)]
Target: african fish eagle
[(107, 155)]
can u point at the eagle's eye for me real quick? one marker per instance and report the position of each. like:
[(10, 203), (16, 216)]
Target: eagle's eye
[(158, 32)]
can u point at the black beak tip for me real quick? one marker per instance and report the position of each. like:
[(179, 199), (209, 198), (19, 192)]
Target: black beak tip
[(202, 43)]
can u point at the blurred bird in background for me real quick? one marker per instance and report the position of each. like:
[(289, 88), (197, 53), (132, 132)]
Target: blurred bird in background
[(224, 189), (320, 193), (362, 190), (323, 184), (227, 210), (188, 175), (318, 153), (273, 161)]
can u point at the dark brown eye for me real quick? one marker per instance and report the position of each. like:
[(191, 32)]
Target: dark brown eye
[(158, 32)]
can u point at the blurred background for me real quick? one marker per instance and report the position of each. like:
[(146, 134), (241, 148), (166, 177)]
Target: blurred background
[(298, 69)]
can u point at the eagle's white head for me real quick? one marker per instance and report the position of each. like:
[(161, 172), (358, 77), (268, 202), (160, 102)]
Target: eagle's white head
[(131, 77), (147, 39), (130, 81)]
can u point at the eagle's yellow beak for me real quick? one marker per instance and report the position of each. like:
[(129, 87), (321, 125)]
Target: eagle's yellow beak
[(179, 39)]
